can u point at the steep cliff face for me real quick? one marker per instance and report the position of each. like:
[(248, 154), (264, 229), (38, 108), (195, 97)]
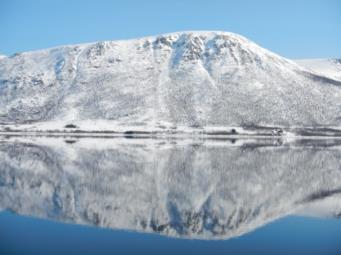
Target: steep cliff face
[(207, 190), (182, 79)]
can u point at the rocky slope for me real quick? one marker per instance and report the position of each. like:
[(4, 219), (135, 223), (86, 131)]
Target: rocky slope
[(186, 79)]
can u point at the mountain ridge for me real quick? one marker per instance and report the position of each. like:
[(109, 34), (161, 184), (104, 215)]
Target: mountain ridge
[(191, 79), (330, 67)]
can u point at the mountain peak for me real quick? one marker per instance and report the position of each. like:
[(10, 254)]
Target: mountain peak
[(187, 79)]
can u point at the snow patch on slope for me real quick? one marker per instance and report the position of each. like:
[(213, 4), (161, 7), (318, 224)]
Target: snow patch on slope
[(327, 207), (327, 67), (192, 79)]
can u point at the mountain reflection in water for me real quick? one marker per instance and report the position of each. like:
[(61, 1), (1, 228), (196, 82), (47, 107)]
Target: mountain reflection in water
[(202, 189)]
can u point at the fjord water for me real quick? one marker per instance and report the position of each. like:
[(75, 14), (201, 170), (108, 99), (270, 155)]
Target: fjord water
[(170, 196)]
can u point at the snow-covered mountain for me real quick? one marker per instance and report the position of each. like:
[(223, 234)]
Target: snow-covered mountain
[(188, 79), (327, 67), (183, 188)]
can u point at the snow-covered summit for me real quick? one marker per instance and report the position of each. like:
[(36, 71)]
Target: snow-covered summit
[(191, 79)]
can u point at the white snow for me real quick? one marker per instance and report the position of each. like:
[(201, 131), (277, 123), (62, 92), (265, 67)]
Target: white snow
[(181, 80), (327, 67), (328, 207)]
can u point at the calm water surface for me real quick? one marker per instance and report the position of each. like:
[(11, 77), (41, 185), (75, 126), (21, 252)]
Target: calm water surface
[(169, 196)]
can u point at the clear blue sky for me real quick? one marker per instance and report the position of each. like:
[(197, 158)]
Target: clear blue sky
[(292, 28)]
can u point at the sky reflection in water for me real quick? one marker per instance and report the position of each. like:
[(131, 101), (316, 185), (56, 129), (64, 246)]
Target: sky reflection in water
[(138, 193)]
